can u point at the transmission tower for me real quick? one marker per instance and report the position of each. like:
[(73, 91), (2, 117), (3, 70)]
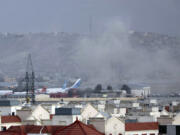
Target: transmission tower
[(30, 77)]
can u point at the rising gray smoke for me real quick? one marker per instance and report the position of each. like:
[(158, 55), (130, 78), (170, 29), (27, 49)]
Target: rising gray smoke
[(112, 58), (117, 55)]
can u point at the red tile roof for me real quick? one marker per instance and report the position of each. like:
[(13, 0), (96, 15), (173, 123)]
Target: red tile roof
[(10, 119), (8, 133), (141, 126), (78, 128), (33, 129)]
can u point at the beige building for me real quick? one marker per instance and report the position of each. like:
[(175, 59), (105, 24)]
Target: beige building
[(176, 119), (66, 116), (89, 112), (35, 115), (114, 126)]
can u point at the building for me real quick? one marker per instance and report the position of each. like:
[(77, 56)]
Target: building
[(9, 107), (169, 130), (8, 121), (114, 126), (176, 120), (145, 128), (34, 115), (89, 111), (144, 92), (76, 128), (66, 116), (99, 123)]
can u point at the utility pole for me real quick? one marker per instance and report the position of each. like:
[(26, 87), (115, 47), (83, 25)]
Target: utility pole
[(32, 88), (27, 87), (30, 77)]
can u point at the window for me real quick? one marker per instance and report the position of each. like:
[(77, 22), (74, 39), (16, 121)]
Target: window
[(3, 128), (162, 129), (13, 113), (177, 130)]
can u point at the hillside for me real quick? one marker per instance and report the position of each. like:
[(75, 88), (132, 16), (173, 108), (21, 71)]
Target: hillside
[(112, 57)]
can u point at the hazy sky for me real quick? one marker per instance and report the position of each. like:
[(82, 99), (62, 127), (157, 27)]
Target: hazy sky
[(161, 16)]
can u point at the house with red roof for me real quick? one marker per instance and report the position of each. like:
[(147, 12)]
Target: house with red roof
[(117, 126), (76, 128), (144, 128), (9, 120)]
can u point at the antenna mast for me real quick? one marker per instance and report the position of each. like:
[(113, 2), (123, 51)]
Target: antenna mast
[(30, 77)]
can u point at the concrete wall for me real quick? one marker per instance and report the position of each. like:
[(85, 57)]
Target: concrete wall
[(40, 113), (164, 120), (146, 119), (98, 123), (114, 126), (24, 114), (88, 111), (46, 122), (171, 130), (65, 119), (7, 110), (176, 120)]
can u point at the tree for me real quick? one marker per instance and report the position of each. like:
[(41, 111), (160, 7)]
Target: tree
[(98, 88), (109, 87), (126, 88)]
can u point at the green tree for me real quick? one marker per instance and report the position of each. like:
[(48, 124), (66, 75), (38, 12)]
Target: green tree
[(126, 88), (109, 87), (98, 88)]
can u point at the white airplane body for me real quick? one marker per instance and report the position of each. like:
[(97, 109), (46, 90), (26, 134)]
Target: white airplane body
[(6, 92), (19, 93), (44, 90), (59, 90)]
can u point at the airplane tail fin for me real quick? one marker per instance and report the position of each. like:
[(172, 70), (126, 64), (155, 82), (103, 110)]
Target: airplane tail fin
[(64, 85), (43, 90), (76, 84)]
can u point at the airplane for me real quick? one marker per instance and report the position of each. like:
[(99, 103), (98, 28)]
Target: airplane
[(19, 93), (64, 89), (6, 92), (44, 90)]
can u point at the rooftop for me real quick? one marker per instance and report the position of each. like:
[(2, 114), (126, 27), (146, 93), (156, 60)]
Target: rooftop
[(76, 128), (10, 119), (141, 126)]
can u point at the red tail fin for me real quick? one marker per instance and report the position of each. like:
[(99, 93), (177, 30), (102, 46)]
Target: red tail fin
[(43, 90)]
